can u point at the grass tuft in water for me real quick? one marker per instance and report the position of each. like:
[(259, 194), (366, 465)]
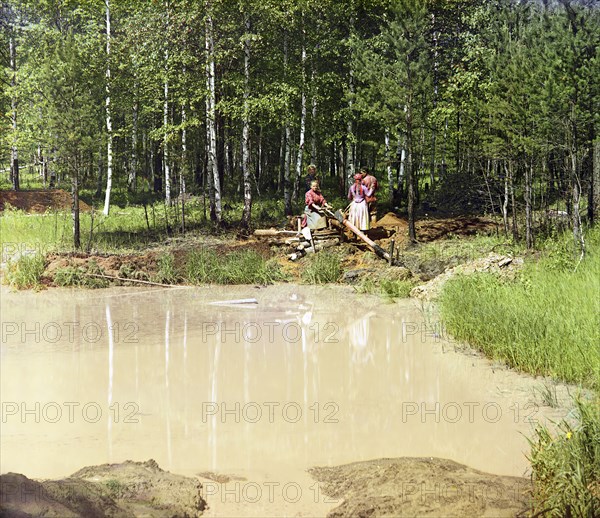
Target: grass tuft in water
[(322, 268)]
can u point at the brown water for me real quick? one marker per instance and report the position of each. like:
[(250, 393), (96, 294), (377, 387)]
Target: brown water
[(304, 377)]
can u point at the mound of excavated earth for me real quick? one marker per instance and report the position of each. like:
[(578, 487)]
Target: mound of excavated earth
[(39, 201), (421, 487), (493, 263), (116, 490)]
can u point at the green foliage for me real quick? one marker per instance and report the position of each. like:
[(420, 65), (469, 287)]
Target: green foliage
[(545, 322), (388, 288), (79, 276), (566, 464), (166, 272), (205, 266), (26, 272), (321, 268)]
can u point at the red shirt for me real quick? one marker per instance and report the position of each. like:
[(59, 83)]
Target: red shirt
[(313, 197), (370, 182)]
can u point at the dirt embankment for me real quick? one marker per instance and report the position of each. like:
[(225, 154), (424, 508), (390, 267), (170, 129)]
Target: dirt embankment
[(121, 490), (421, 487), (39, 201), (503, 265)]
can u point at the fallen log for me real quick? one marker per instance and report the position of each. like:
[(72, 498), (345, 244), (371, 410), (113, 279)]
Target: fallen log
[(374, 247)]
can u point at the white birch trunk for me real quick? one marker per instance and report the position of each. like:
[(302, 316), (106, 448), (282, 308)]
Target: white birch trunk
[(14, 153), (313, 135), (132, 180), (246, 132), (183, 168), (287, 190), (166, 158), (388, 161), (109, 131), (215, 185), (350, 135), (302, 127)]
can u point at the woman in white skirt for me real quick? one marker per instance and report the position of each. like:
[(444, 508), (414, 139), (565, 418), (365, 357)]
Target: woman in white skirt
[(359, 210)]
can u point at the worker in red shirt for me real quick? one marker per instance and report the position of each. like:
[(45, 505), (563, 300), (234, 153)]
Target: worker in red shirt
[(370, 182)]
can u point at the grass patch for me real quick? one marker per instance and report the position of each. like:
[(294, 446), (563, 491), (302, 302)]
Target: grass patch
[(26, 272), (322, 268), (166, 271), (205, 266), (545, 322), (566, 465)]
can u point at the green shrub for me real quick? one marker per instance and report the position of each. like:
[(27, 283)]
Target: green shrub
[(77, 276), (322, 268), (26, 272), (566, 465)]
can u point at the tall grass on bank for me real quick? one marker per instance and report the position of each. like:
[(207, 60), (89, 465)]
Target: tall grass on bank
[(205, 266), (566, 465), (25, 272), (322, 268), (546, 322)]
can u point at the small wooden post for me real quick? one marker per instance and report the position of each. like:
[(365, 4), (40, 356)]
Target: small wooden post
[(391, 258)]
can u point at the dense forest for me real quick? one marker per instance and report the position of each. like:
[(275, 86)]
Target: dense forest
[(488, 106)]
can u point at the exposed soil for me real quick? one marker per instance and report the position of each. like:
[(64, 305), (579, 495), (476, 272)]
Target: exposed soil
[(39, 201), (503, 265), (421, 487), (383, 487), (118, 490)]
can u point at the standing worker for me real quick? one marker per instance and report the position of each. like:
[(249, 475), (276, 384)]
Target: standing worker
[(359, 211), (370, 182), (311, 175)]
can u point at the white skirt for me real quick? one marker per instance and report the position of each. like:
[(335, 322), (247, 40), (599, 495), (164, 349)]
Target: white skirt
[(359, 215)]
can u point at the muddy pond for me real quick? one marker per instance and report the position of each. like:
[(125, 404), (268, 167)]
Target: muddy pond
[(250, 393)]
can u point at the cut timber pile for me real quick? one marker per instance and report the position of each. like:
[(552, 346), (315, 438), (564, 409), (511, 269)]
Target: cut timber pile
[(301, 243)]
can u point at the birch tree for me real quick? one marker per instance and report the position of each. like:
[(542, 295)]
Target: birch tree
[(109, 130), (211, 132)]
